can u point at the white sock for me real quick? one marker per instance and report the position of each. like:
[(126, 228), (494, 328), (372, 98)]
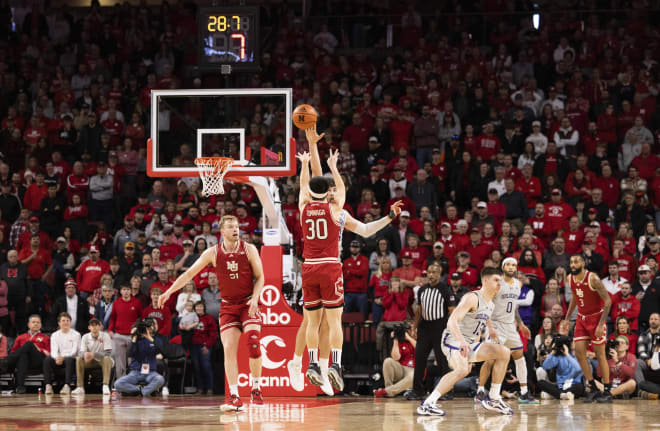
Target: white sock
[(255, 384), (313, 355), (336, 356), (323, 363), (481, 389), (433, 397), (233, 389), (495, 391), (297, 359), (521, 373)]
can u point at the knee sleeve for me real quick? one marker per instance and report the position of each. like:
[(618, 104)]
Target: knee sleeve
[(253, 343)]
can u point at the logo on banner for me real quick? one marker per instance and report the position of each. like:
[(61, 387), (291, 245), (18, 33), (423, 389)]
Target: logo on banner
[(270, 296), (266, 362)]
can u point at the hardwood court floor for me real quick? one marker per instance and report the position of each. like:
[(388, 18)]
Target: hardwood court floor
[(177, 413)]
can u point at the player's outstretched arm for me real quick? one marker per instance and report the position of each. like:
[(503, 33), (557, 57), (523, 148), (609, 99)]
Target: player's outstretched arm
[(469, 302), (304, 198), (340, 193), (313, 138), (208, 257), (365, 230), (258, 272)]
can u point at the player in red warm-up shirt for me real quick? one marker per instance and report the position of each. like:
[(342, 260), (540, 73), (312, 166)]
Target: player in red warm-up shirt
[(593, 305), (241, 279)]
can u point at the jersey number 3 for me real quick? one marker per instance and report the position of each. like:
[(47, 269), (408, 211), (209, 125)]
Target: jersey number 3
[(317, 229)]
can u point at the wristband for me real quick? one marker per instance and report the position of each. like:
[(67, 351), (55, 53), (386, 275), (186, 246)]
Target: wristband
[(392, 215)]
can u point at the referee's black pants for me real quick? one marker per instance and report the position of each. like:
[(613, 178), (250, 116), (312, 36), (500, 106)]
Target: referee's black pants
[(429, 336)]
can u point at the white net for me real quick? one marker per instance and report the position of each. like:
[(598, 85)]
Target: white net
[(212, 170)]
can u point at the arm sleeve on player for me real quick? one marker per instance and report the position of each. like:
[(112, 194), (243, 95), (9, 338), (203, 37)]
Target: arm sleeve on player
[(365, 230)]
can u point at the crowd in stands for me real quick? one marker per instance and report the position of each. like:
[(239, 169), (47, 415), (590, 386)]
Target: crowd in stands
[(535, 144)]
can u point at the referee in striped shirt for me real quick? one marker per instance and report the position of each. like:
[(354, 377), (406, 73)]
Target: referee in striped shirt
[(430, 320)]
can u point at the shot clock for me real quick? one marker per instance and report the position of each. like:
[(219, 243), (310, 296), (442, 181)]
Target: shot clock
[(228, 36)]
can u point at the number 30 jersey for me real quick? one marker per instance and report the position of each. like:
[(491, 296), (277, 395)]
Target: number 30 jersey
[(505, 302), (234, 272), (321, 233)]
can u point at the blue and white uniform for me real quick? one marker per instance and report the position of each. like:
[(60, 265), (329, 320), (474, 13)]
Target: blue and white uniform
[(503, 318), (472, 327)]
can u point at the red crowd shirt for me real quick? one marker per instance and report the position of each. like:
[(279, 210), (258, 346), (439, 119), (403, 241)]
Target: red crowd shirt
[(33, 196), (24, 241), (37, 267), (89, 274), (41, 341), (395, 305), (573, 240), (488, 146), (558, 215), (356, 271), (418, 255), (170, 251), (206, 331), (163, 316), (628, 307), (531, 189), (247, 224), (124, 314)]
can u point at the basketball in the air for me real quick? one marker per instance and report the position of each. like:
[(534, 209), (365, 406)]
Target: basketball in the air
[(304, 116)]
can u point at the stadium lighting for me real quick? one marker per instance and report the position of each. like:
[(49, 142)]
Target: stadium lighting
[(536, 20)]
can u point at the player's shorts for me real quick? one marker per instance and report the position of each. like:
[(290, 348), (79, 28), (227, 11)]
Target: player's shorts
[(451, 347), (585, 328), (322, 285), (235, 315), (507, 335)]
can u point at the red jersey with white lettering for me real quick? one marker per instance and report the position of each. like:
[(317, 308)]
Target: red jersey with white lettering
[(321, 233), (234, 272), (587, 299)]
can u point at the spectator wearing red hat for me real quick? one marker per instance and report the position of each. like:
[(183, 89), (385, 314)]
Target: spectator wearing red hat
[(35, 193), (77, 182), (126, 310), (356, 270), (74, 305), (558, 212), (34, 229), (90, 272)]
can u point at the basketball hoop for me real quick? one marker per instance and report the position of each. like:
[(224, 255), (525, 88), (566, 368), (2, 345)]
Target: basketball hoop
[(212, 170)]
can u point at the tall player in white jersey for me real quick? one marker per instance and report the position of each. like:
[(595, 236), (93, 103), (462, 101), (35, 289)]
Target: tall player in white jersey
[(506, 322), (462, 345)]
